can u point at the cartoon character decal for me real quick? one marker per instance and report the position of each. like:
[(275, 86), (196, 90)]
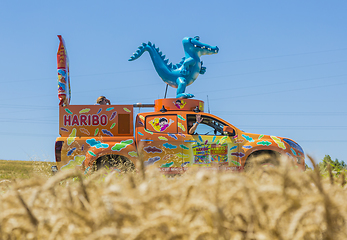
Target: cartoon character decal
[(160, 124), (180, 103)]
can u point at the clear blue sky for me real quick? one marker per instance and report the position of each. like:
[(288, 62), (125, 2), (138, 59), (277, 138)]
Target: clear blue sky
[(281, 68)]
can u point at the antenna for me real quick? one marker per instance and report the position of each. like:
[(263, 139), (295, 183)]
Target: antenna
[(208, 105), (166, 90)]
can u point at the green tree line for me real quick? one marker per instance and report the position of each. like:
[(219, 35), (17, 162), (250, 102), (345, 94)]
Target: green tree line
[(336, 166)]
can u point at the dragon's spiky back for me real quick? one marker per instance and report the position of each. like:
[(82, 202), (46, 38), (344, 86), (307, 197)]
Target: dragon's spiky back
[(151, 48)]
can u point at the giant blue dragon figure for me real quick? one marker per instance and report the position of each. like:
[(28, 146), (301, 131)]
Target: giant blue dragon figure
[(184, 73)]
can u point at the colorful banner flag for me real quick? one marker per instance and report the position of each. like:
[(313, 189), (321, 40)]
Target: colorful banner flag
[(64, 90)]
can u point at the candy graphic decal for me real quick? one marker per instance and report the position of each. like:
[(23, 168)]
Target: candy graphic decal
[(113, 115), (172, 135), (200, 138), (64, 129), (93, 143), (123, 144), (77, 161), (180, 103), (153, 149), (84, 131), (180, 155), (239, 141), (142, 118), (82, 148), (127, 110), (235, 136), (248, 138), (96, 131), (151, 161), (206, 142), (85, 110), (184, 147), (112, 126), (141, 123), (68, 111), (165, 165), (91, 153), (184, 164), (71, 137), (69, 153), (182, 135), (180, 117), (247, 147), (214, 138), (140, 133), (133, 154), (181, 126), (169, 146), (217, 142), (223, 139), (99, 111), (148, 131), (261, 136), (201, 106), (264, 143), (162, 138), (107, 132), (235, 163), (238, 154), (160, 124), (293, 151), (109, 109), (166, 157), (278, 142), (232, 148)]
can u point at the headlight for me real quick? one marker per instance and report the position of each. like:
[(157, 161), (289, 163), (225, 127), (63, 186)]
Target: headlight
[(293, 145)]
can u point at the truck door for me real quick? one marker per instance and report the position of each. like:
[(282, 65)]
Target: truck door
[(158, 142), (208, 147)]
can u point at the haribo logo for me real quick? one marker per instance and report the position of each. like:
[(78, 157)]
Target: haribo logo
[(85, 120)]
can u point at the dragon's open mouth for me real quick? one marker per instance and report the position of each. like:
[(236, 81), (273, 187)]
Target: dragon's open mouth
[(197, 45)]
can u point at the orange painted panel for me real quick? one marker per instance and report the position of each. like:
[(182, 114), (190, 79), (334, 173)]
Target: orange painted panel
[(95, 120), (178, 104)]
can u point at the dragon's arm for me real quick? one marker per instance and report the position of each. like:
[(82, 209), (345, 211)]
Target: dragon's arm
[(186, 64)]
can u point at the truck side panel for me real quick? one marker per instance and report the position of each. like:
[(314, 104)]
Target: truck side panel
[(91, 131)]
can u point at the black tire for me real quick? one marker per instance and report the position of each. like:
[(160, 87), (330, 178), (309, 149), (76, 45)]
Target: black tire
[(261, 159), (114, 162)]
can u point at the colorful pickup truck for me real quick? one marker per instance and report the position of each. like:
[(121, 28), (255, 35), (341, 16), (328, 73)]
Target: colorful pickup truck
[(93, 136)]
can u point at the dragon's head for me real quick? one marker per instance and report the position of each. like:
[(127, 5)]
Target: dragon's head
[(194, 45)]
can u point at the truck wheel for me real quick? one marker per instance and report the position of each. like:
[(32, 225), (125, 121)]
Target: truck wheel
[(113, 162), (262, 159)]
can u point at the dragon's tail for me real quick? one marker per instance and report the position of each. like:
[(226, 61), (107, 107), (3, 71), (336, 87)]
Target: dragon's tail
[(139, 52), (153, 51)]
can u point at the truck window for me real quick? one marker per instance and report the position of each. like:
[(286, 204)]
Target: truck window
[(208, 126), (162, 123)]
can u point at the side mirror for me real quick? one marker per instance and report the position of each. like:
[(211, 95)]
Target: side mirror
[(227, 130)]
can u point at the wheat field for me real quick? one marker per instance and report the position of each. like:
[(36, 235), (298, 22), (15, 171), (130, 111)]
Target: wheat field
[(270, 203)]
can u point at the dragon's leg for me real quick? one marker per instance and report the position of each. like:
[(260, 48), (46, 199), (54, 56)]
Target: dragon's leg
[(181, 87)]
